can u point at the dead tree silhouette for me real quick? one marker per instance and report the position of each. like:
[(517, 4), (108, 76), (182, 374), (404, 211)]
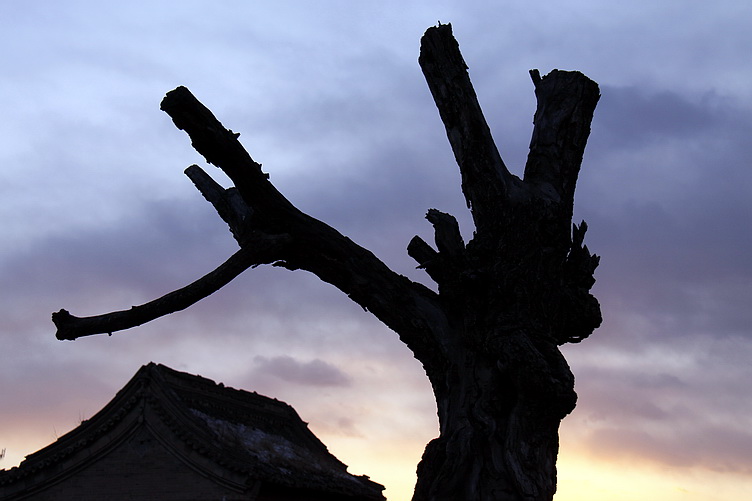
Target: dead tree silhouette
[(507, 299)]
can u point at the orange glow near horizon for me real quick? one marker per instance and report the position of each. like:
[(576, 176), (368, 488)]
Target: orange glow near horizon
[(580, 478), (583, 478)]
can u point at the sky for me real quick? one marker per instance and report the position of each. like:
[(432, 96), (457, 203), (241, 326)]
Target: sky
[(96, 215)]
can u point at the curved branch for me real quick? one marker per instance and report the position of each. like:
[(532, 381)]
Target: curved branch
[(70, 327)]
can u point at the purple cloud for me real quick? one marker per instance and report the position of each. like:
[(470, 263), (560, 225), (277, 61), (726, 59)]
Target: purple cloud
[(314, 373)]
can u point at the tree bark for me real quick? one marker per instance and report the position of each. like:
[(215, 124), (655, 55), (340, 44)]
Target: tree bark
[(518, 290), (489, 339)]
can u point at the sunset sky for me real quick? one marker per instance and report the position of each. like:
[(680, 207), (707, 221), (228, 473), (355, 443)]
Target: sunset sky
[(96, 215)]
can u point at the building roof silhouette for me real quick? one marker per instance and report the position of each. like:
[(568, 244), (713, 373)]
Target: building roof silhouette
[(243, 444)]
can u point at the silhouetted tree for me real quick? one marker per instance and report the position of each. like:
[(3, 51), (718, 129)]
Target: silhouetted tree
[(489, 339)]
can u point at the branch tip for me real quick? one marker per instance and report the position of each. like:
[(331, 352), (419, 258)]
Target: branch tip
[(535, 76)]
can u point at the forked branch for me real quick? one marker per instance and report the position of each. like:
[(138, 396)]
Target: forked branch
[(271, 230)]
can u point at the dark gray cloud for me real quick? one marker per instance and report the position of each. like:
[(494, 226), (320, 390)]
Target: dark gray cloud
[(313, 373), (667, 208), (636, 117)]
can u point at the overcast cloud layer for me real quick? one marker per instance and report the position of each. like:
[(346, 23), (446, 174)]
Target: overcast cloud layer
[(96, 215)]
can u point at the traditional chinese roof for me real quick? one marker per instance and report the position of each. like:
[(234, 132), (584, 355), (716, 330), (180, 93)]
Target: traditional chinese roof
[(235, 437)]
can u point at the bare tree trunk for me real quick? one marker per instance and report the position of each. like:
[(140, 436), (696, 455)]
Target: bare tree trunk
[(518, 290), (489, 339), (496, 443)]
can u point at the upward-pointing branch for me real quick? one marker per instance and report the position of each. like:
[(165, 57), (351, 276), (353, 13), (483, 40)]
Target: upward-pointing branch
[(486, 182), (566, 103)]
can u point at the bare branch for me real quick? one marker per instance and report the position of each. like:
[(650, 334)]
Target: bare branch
[(423, 253), (221, 147), (408, 308), (70, 327), (316, 247), (448, 238), (208, 136), (227, 202), (427, 258), (566, 103), (486, 182)]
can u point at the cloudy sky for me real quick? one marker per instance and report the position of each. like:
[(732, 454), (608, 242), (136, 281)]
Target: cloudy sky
[(96, 215)]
